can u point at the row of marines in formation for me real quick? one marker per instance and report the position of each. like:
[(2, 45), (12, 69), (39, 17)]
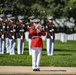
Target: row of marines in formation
[(10, 33)]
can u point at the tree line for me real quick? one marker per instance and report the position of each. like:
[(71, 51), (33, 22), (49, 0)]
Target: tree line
[(40, 8)]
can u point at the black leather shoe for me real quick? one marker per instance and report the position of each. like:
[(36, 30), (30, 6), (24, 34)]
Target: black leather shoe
[(34, 69), (37, 69)]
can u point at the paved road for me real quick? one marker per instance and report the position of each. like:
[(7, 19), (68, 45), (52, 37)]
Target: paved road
[(27, 70)]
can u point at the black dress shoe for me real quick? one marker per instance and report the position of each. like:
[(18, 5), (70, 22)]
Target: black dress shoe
[(37, 69), (34, 69)]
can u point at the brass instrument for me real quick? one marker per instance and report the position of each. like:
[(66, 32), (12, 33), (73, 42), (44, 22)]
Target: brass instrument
[(40, 27)]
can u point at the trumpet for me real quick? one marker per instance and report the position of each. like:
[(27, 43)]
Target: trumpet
[(40, 27)]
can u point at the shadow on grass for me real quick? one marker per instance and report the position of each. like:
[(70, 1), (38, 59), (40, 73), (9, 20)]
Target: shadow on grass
[(64, 50), (54, 70), (61, 52), (55, 50)]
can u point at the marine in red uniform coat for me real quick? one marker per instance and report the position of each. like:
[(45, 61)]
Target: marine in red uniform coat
[(36, 44), (36, 38)]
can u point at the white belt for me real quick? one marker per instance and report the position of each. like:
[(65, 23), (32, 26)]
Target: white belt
[(22, 30), (36, 36)]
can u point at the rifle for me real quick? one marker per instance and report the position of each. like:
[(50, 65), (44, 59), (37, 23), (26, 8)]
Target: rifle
[(21, 32), (22, 35), (12, 32), (13, 35)]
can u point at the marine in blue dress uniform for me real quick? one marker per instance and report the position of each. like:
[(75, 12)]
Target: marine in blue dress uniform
[(6, 33), (11, 35), (2, 29), (21, 29), (50, 29)]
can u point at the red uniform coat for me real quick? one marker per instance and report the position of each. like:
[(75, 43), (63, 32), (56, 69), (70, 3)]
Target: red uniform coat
[(36, 38)]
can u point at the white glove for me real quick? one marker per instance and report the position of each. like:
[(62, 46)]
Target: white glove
[(51, 30), (13, 37), (36, 26), (11, 31), (52, 37), (2, 36), (38, 31), (14, 30), (3, 27), (21, 37)]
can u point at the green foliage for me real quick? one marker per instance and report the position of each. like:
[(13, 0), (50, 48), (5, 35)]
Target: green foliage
[(39, 8)]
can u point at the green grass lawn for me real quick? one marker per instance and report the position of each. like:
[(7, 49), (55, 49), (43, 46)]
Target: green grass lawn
[(64, 55)]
